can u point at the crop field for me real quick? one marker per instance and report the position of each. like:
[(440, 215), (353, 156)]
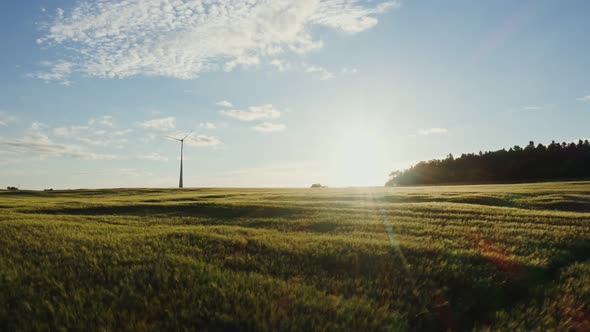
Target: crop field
[(496, 257)]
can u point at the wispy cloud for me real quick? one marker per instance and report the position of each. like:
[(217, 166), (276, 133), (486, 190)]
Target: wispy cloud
[(38, 126), (268, 127), (58, 71), (349, 71), (183, 39), (532, 108), (161, 124), (242, 60), (6, 118), (47, 148), (318, 72), (263, 112), (93, 136), (585, 98), (208, 125), (315, 71), (105, 120), (37, 144), (224, 103), (154, 156), (432, 131), (280, 65), (198, 140), (203, 141)]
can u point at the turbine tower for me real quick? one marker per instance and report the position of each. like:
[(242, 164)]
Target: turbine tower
[(181, 140)]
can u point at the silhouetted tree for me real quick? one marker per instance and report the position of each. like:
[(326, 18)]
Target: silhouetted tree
[(555, 161)]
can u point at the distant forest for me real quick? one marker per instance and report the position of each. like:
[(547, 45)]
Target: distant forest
[(531, 163)]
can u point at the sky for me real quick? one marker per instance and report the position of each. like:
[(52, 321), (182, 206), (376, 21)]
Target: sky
[(280, 93)]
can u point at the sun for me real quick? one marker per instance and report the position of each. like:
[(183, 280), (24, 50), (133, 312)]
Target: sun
[(359, 156)]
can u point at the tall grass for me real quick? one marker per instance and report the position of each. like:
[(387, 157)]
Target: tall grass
[(505, 257)]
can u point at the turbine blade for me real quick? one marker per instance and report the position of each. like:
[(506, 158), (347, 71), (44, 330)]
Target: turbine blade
[(187, 135), (174, 138)]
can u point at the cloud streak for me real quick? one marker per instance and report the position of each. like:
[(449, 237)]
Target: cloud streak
[(58, 71), (161, 124), (105, 120), (253, 113), (268, 127), (183, 39), (38, 144), (6, 118), (154, 156), (532, 108), (93, 136), (433, 131), (208, 125), (224, 103), (203, 141), (318, 72)]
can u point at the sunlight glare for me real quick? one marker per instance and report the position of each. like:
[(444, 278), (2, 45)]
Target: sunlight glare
[(359, 157)]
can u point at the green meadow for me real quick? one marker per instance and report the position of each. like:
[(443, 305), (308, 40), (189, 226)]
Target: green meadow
[(494, 257)]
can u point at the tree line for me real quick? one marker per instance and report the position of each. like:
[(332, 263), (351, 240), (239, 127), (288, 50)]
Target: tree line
[(517, 164)]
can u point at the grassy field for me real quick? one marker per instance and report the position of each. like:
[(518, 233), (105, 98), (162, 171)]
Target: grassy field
[(500, 257)]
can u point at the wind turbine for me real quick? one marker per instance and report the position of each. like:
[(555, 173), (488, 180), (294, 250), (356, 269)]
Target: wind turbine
[(181, 153)]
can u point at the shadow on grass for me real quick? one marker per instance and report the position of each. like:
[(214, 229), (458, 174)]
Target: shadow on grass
[(485, 285), (188, 199), (550, 201), (466, 199), (441, 291), (279, 225), (197, 210), (98, 192), (572, 202), (20, 193)]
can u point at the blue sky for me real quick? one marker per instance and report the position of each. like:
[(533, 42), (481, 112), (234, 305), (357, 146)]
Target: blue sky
[(280, 93)]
